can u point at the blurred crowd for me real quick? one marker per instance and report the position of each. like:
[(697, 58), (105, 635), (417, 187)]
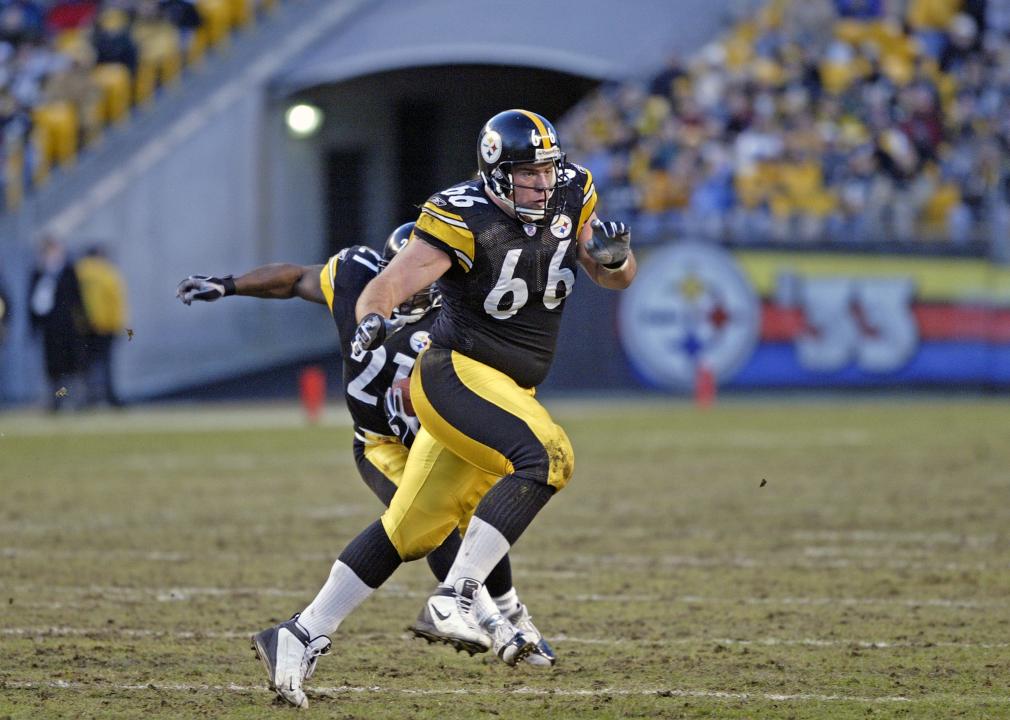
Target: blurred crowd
[(69, 68), (848, 121)]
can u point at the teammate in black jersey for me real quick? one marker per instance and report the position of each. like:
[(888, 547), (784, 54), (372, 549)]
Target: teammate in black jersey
[(381, 434), (504, 250)]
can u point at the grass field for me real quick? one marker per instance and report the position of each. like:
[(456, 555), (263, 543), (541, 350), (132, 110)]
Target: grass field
[(869, 576)]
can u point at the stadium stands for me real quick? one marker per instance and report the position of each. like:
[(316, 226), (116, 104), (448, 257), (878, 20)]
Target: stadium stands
[(854, 122), (71, 68)]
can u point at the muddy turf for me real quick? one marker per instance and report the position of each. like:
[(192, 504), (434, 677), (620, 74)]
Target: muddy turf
[(808, 560)]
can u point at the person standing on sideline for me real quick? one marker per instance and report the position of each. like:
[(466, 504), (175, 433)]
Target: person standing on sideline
[(103, 292), (57, 312), (5, 311)]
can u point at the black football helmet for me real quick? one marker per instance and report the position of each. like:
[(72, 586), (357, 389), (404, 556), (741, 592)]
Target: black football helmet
[(518, 137), (416, 306)]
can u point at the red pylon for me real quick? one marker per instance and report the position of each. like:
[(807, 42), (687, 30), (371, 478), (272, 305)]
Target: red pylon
[(704, 386), (312, 383)]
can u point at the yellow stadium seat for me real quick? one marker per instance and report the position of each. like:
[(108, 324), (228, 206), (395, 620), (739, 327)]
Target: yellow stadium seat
[(639, 162), (931, 14), (836, 77), (92, 122), (897, 69), (887, 35), (114, 79), (216, 16), (42, 152), (738, 52), (854, 32), (144, 81), (197, 47), (750, 188), (822, 204), (14, 174), (58, 122), (655, 110), (767, 72), (772, 13), (661, 192), (160, 57), (800, 180), (241, 12), (171, 65), (935, 212), (946, 85), (739, 46), (781, 205), (68, 41)]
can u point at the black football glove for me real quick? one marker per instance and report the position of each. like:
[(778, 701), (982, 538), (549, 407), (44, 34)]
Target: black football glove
[(400, 421), (372, 331), (205, 287), (610, 243)]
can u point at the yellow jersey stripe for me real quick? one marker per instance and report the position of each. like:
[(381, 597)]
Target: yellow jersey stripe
[(545, 136), (588, 206), (454, 223), (327, 279), (589, 184), (451, 218), (454, 234), (464, 260)]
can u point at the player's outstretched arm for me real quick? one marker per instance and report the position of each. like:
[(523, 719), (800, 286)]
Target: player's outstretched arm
[(605, 253), (278, 281)]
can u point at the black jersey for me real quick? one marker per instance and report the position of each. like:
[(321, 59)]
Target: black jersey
[(367, 376), (502, 299)]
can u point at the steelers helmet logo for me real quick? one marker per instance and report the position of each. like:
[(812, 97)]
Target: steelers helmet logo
[(690, 305), (561, 227), (490, 146), (419, 340)]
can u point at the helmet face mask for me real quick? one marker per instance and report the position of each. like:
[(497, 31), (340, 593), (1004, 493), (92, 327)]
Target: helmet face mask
[(514, 138), (420, 303)]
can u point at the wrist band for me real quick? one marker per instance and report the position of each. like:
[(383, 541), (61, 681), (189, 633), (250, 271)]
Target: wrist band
[(229, 285), (614, 267)]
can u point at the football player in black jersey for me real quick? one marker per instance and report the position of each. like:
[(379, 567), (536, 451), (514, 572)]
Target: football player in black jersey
[(504, 251), (383, 429), (381, 434)]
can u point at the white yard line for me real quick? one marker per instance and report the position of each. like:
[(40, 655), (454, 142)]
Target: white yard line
[(169, 419), (918, 537), (56, 631), (808, 559), (114, 632), (520, 691), (186, 593)]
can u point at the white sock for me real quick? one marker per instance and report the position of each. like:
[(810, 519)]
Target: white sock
[(507, 602), (343, 592), (482, 547)]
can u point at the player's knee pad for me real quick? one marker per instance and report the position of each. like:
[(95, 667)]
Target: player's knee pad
[(561, 457), (550, 461)]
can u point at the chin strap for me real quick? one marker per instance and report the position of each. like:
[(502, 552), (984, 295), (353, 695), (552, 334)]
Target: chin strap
[(530, 216)]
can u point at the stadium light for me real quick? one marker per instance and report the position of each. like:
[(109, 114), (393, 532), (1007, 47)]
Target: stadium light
[(303, 120)]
